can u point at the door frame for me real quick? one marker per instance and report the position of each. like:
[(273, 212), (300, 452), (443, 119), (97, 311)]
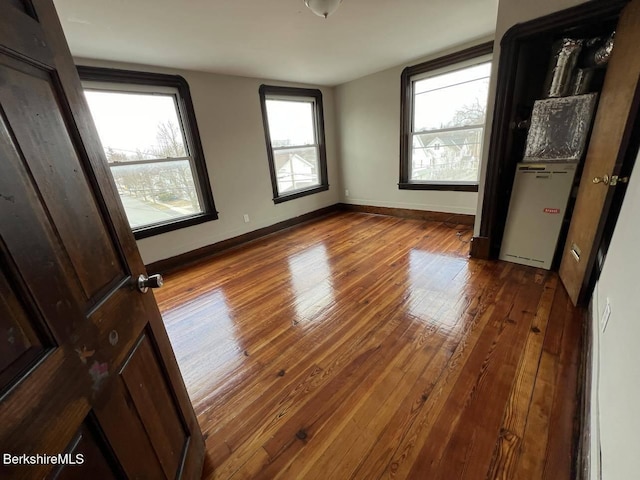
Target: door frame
[(501, 164)]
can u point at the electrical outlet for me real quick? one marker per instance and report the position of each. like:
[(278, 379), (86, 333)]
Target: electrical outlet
[(604, 320), (346, 193), (246, 218)]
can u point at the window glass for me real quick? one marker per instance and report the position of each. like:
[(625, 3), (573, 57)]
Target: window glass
[(290, 122), (134, 126), (145, 148), (449, 113), (291, 126), (459, 102)]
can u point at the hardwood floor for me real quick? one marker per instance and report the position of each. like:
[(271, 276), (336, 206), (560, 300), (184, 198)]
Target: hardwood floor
[(364, 346)]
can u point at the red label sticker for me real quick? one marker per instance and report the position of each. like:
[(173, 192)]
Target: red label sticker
[(552, 210)]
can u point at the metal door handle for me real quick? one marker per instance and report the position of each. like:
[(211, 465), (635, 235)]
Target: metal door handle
[(604, 179), (152, 281)]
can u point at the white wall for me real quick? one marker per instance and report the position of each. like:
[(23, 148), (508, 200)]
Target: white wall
[(230, 122), (368, 122), (615, 394), (369, 127), (510, 12)]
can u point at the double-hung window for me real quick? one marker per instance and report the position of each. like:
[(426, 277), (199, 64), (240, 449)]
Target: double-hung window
[(148, 130), (444, 105), (294, 133)]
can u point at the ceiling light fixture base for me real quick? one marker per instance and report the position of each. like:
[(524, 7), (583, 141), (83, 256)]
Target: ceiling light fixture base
[(323, 8)]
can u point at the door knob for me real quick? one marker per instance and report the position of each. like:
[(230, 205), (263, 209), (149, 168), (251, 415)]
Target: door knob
[(153, 281), (604, 179)]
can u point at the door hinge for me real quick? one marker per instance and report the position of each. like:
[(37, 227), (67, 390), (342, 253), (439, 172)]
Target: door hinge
[(615, 179)]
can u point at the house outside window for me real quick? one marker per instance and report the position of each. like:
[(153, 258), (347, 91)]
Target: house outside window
[(443, 115), (294, 133), (147, 128)]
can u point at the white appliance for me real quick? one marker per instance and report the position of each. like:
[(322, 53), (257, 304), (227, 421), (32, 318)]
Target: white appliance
[(538, 202)]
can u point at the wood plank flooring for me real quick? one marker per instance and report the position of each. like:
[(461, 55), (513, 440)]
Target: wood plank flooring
[(371, 347)]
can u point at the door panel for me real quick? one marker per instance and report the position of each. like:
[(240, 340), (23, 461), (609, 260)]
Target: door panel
[(21, 345), (155, 406), (34, 116), (86, 365), (23, 36), (132, 446), (36, 253), (607, 148), (18, 4), (92, 457)]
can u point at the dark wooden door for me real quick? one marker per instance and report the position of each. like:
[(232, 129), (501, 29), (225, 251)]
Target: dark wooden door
[(86, 367)]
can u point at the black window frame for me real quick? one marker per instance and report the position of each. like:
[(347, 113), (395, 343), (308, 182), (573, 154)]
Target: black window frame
[(406, 114), (189, 125), (295, 92)]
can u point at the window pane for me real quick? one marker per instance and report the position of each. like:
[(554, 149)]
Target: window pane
[(296, 168), (156, 192), (137, 126), (291, 123), (454, 99), (447, 155)]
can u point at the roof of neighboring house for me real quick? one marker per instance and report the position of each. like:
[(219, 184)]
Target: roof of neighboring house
[(297, 157), (456, 139)]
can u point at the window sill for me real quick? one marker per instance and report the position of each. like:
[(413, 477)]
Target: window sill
[(452, 187), (300, 193), (157, 229)]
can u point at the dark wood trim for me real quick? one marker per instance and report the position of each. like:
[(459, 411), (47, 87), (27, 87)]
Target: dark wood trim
[(582, 433), (564, 19), (189, 125), (426, 215), (316, 94), (183, 222), (405, 108), (500, 165), (479, 248), (178, 262), (289, 91), (450, 187), (301, 193), (451, 59)]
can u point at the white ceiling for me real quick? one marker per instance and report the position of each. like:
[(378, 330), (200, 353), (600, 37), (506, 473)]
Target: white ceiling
[(273, 39)]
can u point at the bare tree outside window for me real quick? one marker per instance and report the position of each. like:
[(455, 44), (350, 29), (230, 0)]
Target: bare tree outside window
[(170, 141), (146, 151)]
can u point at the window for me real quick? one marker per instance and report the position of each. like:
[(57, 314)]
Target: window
[(294, 131), (443, 113), (148, 130)]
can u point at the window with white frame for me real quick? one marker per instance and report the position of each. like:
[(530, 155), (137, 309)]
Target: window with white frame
[(294, 133), (147, 128), (444, 105)]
